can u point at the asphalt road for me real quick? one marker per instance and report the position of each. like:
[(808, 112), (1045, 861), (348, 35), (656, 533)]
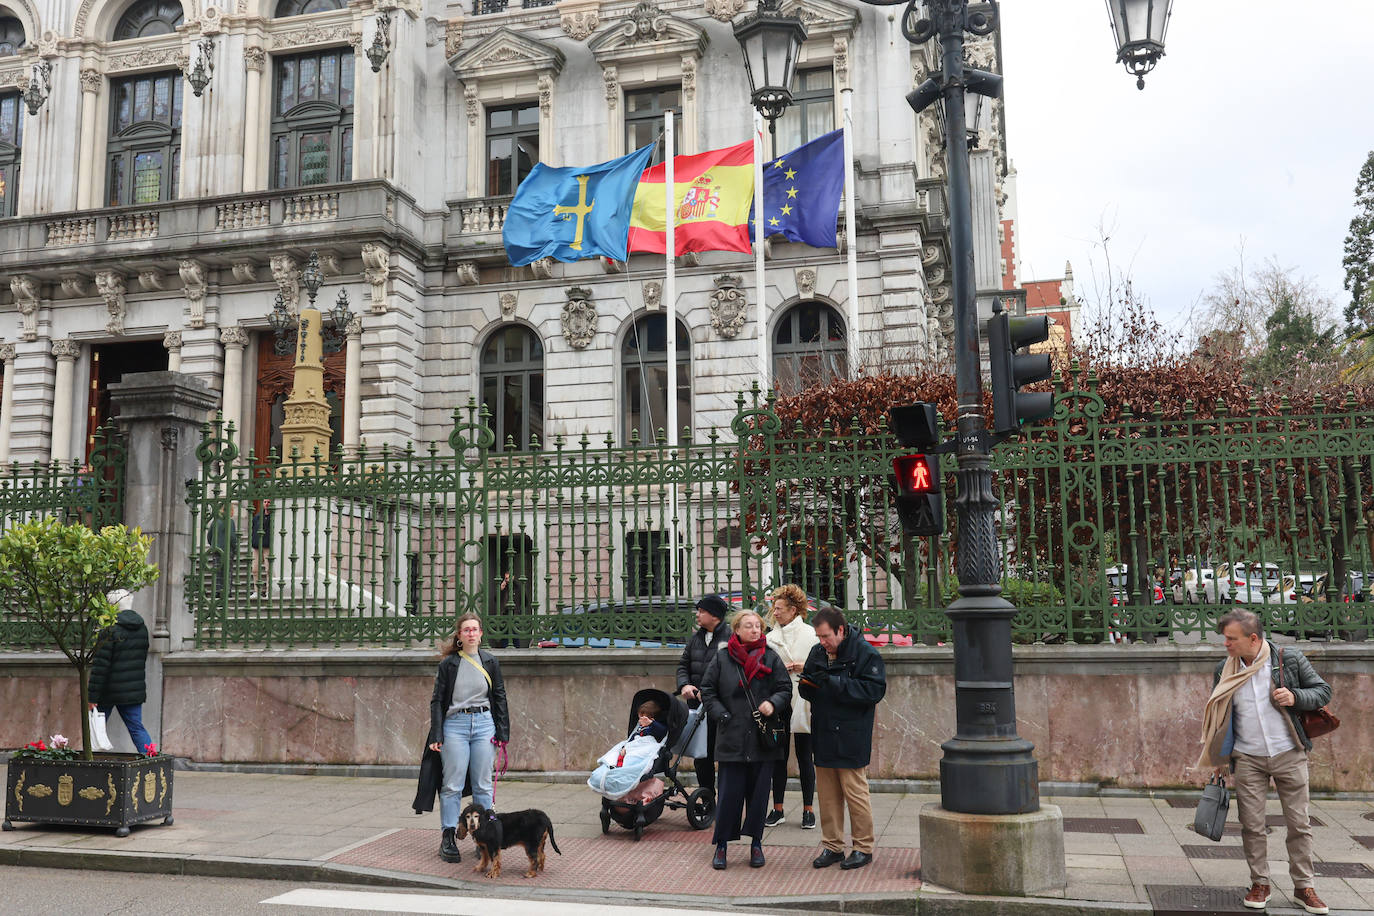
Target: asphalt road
[(63, 892)]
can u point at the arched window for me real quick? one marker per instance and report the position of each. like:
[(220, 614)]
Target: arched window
[(11, 139), (312, 118), (11, 36), (303, 7), (644, 378), (145, 138), (808, 348), (149, 17), (513, 386)]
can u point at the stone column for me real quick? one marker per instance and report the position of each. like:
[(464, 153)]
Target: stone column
[(353, 394), (7, 354), (234, 340), (161, 414), (86, 170), (256, 59), (172, 341), (66, 352)]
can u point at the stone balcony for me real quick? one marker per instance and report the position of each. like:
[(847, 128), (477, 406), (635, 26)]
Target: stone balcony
[(232, 227)]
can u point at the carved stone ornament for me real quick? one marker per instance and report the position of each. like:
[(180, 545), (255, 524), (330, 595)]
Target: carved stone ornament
[(245, 271), (610, 80), (646, 23), (724, 10), (434, 31), (193, 278), (542, 269), (579, 318), (210, 21), (841, 62), (474, 107), (172, 340), (653, 295), (728, 305), (980, 53), (170, 436), (806, 282), (234, 336), (931, 255), (318, 35), (578, 25), (329, 264), (545, 84), (73, 285), (508, 301), (354, 328), (467, 273), (91, 80), (453, 38), (66, 349), (376, 271), (150, 280), (144, 58), (47, 44), (110, 285), (689, 76), (255, 57), (8, 352), (25, 291), (287, 276)]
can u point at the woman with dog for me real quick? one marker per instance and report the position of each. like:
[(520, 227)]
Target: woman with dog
[(468, 720), (748, 672)]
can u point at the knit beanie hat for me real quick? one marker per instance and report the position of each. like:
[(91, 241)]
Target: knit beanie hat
[(714, 605)]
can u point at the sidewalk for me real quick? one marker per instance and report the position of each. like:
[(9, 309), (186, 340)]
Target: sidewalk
[(1131, 854)]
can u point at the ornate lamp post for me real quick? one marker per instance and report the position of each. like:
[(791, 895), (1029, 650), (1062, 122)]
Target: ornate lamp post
[(1139, 27), (381, 42), (988, 834), (39, 86), (770, 42), (204, 70)]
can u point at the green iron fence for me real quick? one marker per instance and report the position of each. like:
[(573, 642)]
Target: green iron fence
[(1135, 529), (91, 494)]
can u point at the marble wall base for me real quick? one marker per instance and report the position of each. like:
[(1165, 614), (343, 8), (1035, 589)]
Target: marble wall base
[(1115, 715)]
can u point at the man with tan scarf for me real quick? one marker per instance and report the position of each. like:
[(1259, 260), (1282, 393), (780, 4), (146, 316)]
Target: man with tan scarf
[(1251, 724)]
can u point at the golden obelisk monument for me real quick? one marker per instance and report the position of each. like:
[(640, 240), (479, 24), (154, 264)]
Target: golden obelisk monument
[(305, 431)]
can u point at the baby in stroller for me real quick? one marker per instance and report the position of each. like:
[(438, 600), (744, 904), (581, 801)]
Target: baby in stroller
[(626, 776)]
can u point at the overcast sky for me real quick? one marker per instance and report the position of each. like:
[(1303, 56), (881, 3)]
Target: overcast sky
[(1251, 131)]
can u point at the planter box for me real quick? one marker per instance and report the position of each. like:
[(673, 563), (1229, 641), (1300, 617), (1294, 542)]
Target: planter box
[(113, 790)]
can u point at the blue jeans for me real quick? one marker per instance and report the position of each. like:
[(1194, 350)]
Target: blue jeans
[(468, 755), (133, 721)]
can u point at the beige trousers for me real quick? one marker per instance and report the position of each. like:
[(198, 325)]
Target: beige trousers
[(836, 788), (1251, 778)]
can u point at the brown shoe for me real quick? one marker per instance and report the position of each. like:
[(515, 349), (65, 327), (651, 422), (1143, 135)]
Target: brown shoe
[(1307, 896), (1258, 898)]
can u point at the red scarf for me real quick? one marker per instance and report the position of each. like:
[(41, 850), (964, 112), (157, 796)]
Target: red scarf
[(750, 656)]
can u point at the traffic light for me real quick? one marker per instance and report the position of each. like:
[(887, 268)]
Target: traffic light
[(916, 478), (1011, 370)]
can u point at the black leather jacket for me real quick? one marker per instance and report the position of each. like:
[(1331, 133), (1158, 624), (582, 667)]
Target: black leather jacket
[(697, 655), (443, 696)]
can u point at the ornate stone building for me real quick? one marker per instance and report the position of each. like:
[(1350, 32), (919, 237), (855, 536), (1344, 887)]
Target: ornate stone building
[(146, 225)]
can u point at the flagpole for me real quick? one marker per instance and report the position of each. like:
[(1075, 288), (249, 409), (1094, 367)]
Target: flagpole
[(670, 317), (758, 254), (851, 250)]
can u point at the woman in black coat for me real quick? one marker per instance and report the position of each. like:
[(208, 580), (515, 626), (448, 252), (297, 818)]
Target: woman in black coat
[(746, 766)]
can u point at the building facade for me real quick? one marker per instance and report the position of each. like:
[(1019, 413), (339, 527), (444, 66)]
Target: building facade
[(146, 226)]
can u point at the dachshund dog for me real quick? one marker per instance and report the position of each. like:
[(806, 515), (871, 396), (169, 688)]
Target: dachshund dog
[(494, 832)]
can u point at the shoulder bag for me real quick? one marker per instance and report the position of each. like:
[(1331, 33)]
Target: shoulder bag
[(772, 728), (1315, 722), (1210, 818)]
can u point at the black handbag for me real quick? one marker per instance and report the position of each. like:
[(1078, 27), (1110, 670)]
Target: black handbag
[(1210, 818), (772, 728)]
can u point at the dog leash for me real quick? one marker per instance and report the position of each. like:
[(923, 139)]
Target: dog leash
[(498, 769)]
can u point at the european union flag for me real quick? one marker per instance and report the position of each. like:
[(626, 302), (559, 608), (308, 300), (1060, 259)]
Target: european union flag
[(573, 213), (801, 191)]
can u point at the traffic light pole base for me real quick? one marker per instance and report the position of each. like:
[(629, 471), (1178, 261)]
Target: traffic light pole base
[(1005, 855)]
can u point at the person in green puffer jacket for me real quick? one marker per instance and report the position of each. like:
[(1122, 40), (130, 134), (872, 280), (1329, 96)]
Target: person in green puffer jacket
[(118, 679)]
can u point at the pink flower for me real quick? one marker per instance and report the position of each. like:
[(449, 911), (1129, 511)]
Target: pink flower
[(150, 750), (58, 742)]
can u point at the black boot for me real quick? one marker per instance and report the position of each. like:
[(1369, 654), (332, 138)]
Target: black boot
[(448, 846)]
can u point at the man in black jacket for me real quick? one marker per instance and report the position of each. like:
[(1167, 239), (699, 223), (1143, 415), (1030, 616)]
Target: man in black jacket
[(711, 636), (844, 679), (117, 679)]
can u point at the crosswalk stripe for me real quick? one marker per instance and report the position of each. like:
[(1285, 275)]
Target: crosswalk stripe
[(395, 902)]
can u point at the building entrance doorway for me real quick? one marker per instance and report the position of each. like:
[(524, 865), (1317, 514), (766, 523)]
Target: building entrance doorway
[(275, 375), (109, 363)]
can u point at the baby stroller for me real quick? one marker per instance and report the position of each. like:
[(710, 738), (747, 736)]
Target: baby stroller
[(636, 815)]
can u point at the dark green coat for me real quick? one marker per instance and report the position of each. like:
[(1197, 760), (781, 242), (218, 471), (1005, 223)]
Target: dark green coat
[(121, 655), (842, 706)]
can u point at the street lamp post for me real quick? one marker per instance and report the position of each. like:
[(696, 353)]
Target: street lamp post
[(770, 41)]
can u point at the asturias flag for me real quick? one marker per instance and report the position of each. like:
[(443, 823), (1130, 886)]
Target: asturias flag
[(801, 191), (713, 194), (573, 213)]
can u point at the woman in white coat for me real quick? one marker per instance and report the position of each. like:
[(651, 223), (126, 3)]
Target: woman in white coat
[(792, 638)]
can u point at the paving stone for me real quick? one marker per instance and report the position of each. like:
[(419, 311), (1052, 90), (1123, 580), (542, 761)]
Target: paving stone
[(1084, 860)]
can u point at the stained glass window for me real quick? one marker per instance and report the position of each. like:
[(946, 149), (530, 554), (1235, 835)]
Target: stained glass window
[(312, 118), (149, 17), (305, 7), (145, 138)]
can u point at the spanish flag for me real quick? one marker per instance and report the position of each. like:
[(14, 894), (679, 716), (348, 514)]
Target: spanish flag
[(714, 191)]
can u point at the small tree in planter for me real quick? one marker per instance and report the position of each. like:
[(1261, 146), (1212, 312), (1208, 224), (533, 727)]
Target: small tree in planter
[(58, 577)]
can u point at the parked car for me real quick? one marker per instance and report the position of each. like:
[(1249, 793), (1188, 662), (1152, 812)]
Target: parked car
[(1251, 583), (1200, 585), (1118, 580), (618, 624)]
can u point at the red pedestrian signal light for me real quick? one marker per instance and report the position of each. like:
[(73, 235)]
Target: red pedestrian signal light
[(914, 475)]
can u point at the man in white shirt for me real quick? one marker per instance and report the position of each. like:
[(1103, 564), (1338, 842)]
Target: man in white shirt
[(1251, 727)]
